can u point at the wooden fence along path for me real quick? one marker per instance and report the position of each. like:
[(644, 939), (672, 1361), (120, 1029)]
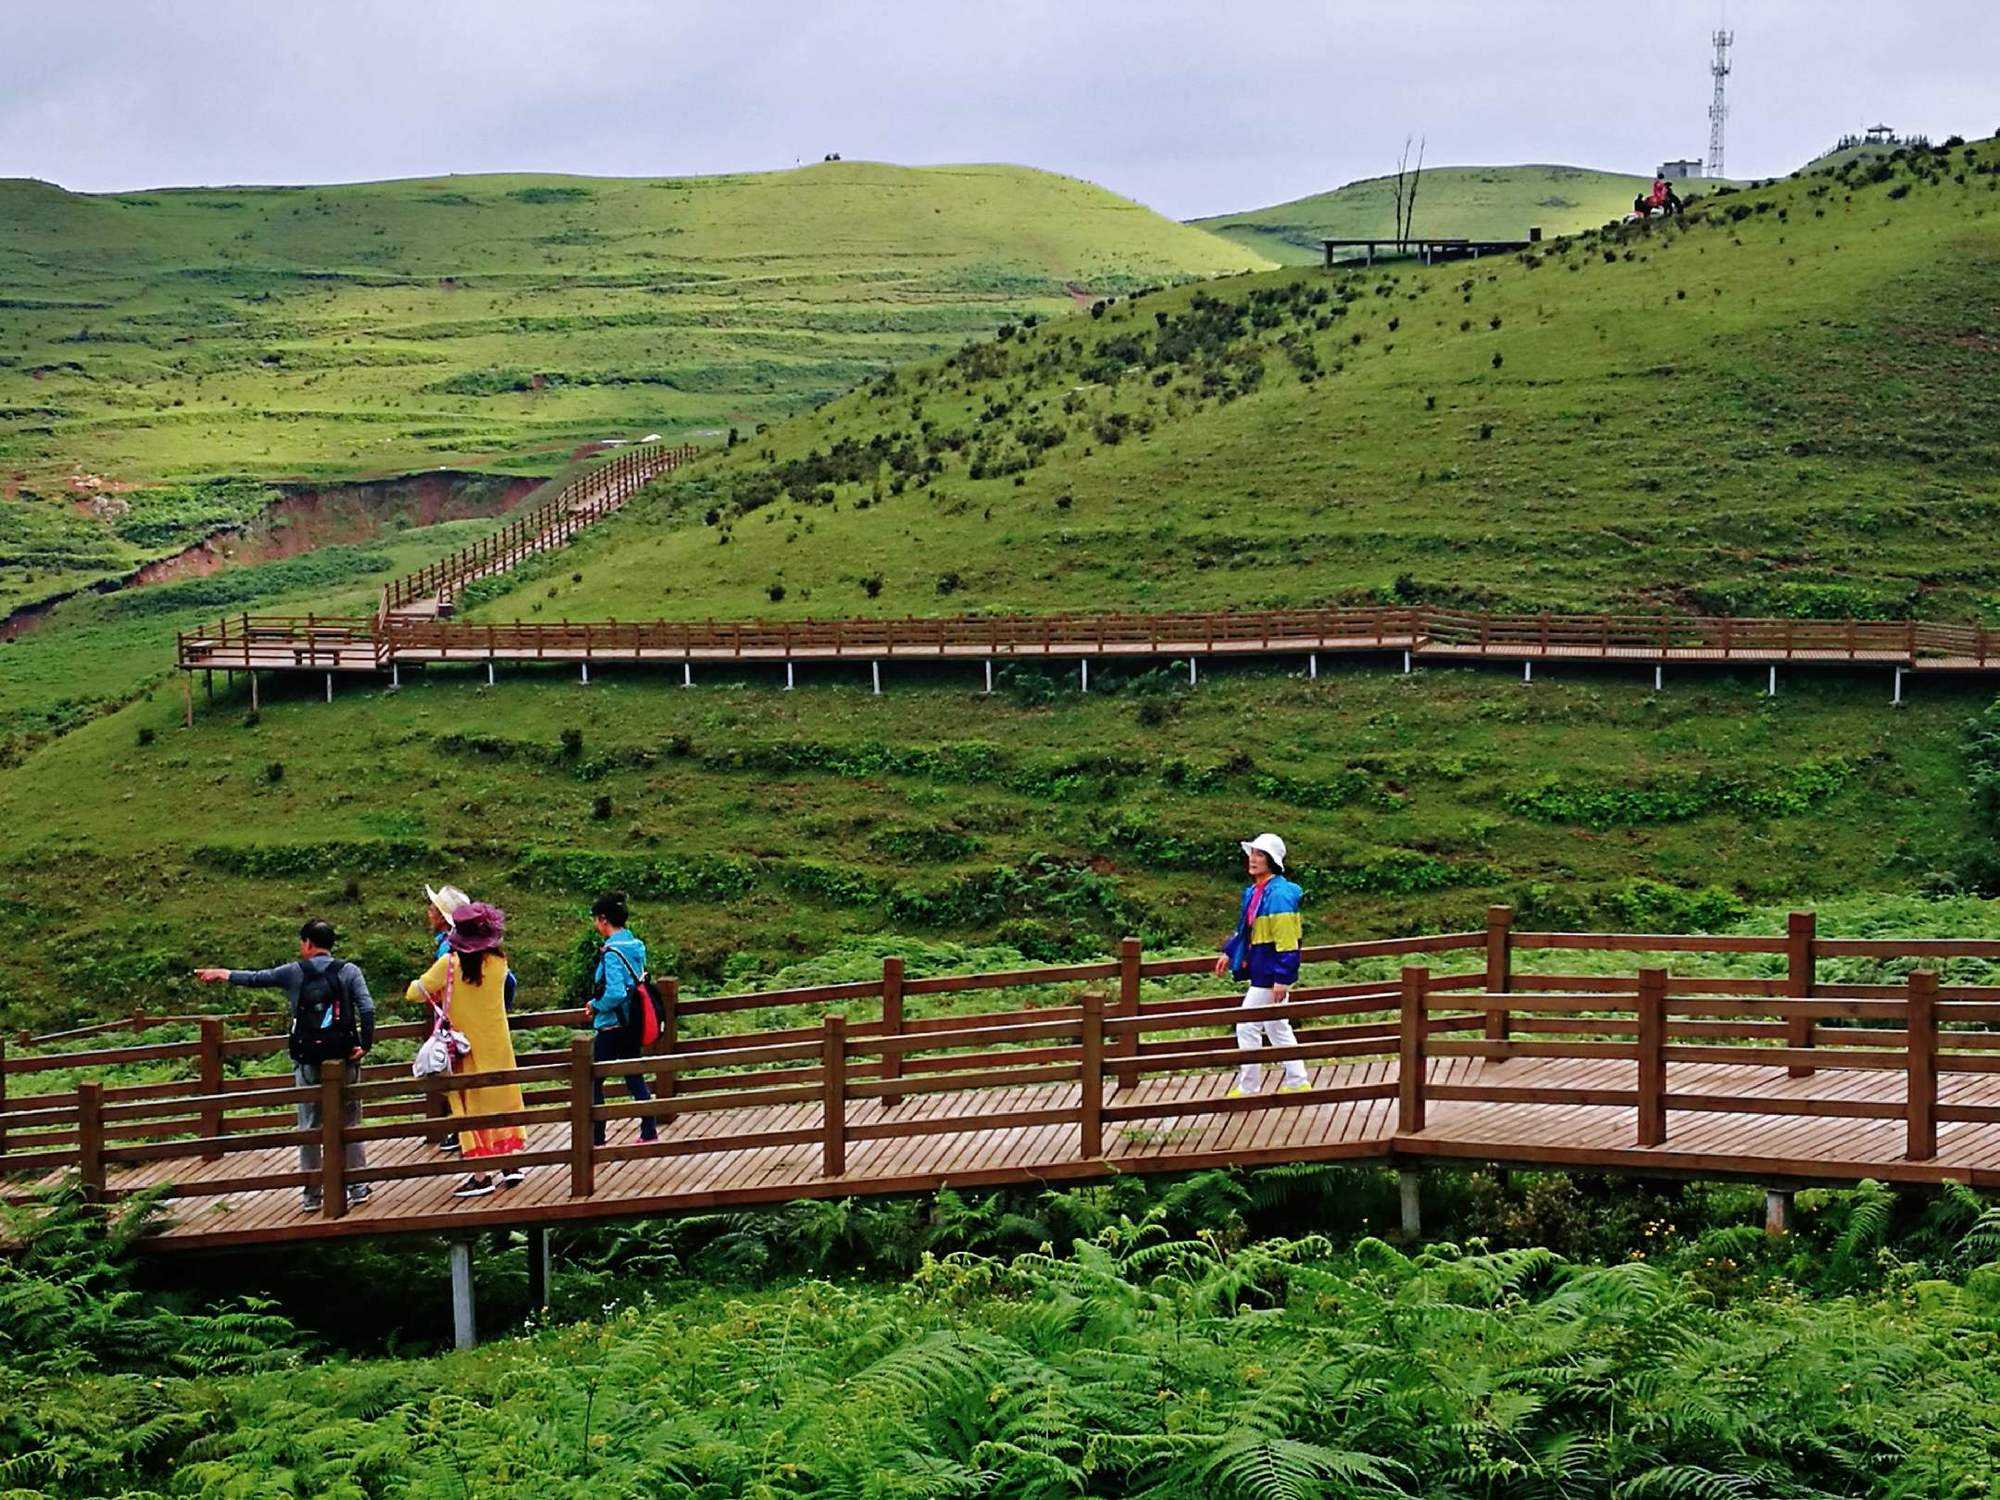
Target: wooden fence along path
[(431, 591), (841, 1089), (321, 644)]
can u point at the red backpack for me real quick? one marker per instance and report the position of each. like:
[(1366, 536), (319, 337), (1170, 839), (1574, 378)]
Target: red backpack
[(648, 1011)]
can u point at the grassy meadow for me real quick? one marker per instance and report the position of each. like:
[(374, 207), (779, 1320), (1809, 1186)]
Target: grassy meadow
[(174, 338), (1474, 203), (1786, 403)]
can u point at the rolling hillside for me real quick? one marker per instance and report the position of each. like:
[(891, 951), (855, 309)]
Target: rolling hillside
[(177, 339), (1497, 203), (1811, 427), (1787, 403)]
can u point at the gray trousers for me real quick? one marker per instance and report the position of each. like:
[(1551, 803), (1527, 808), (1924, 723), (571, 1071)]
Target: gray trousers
[(307, 1075)]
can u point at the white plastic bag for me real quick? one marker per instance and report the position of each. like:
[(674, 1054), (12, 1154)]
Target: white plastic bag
[(443, 1048)]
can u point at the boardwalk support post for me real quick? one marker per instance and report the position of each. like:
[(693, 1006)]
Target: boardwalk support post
[(1406, 664), (1127, 1045), (585, 668), (1897, 700), (833, 1121), (1922, 1053), (1771, 684), (332, 1139), (1410, 1053), (489, 674), (1659, 678), (187, 700), (395, 674), (1652, 1057), (892, 1025), (211, 1083), (1083, 671), (253, 691), (1499, 967), (788, 677), (687, 674), (989, 674), (1410, 1189), (1777, 1211), (582, 1160), (539, 1264), (875, 675), (90, 1139), (464, 1328), (1799, 970), (1527, 671), (1091, 1101)]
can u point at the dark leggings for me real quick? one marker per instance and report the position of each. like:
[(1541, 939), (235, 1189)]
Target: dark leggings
[(612, 1044)]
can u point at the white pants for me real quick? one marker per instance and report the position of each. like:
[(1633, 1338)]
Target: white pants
[(1250, 1035)]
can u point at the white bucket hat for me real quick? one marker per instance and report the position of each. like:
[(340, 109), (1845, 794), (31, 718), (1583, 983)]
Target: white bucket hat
[(1271, 846), (447, 899)]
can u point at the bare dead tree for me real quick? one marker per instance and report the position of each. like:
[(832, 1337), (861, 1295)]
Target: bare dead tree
[(1402, 165), (1410, 205)]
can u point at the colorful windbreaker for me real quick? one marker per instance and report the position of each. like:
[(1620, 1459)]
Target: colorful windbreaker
[(1270, 944)]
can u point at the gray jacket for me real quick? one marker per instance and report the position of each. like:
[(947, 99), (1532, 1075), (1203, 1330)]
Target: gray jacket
[(291, 979)]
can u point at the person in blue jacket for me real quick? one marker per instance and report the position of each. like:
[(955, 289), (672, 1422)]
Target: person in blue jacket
[(1264, 952), (614, 1021)]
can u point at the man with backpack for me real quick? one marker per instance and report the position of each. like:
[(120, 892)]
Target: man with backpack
[(333, 1021), (617, 998)]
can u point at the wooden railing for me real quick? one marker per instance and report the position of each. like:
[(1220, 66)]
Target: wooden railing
[(278, 643), (1096, 1029), (548, 526)]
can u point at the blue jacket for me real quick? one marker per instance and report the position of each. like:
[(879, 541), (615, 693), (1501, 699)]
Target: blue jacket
[(1266, 952), (611, 981)]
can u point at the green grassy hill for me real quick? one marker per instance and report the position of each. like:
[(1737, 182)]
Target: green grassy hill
[(1497, 203), (1811, 427), (1789, 402), (172, 338)]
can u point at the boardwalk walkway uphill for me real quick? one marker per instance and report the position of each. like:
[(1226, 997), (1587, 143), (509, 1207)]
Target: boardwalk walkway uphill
[(894, 1085)]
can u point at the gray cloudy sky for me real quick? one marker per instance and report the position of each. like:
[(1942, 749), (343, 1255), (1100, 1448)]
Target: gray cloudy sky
[(1191, 108)]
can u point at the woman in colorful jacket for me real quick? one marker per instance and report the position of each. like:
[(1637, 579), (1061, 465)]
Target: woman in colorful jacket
[(1264, 952)]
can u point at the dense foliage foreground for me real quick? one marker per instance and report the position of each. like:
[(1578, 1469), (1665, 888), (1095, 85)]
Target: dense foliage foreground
[(1140, 1357)]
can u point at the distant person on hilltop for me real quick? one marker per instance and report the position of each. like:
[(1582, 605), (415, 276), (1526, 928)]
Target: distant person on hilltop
[(1264, 952), (332, 1021)]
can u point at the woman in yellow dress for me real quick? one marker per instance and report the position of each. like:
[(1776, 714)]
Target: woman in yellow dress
[(470, 978)]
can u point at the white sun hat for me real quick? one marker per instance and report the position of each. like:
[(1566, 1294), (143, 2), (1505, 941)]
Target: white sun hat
[(447, 899), (1272, 847)]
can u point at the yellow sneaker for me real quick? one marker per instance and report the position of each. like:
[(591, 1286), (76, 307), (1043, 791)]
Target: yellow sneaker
[(1236, 1094), (1294, 1088)]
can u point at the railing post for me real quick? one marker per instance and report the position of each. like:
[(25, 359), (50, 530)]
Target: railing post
[(1799, 969), (332, 1138), (668, 993), (3, 1096), (1921, 1108), (582, 1158), (1091, 1134), (211, 1083), (892, 1024), (1499, 966), (1652, 1057), (1410, 1053), (833, 1119), (90, 1139), (1129, 955)]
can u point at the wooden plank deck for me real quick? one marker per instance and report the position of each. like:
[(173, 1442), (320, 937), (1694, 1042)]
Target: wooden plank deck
[(1767, 1147)]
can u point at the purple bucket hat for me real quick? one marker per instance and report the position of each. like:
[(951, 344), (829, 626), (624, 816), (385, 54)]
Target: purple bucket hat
[(477, 928)]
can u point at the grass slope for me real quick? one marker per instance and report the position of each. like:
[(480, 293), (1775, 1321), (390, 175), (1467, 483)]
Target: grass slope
[(1787, 403), (184, 334), (1480, 203), (1638, 452)]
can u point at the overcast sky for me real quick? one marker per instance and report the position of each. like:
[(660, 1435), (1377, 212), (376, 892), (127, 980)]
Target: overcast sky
[(1192, 108)]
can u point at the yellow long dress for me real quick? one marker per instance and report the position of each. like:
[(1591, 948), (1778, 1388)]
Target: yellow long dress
[(480, 1011)]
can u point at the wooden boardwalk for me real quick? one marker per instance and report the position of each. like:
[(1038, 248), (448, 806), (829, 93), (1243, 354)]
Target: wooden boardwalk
[(1769, 1148), (1112, 1067)]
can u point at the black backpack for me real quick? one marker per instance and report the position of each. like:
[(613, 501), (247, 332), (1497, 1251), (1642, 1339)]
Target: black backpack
[(325, 1027)]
